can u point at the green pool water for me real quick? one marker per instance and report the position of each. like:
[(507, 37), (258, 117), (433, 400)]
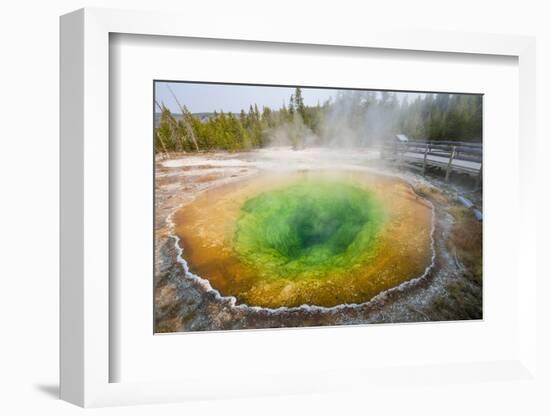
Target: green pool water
[(308, 230)]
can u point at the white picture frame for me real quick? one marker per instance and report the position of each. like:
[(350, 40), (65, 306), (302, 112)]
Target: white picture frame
[(85, 164)]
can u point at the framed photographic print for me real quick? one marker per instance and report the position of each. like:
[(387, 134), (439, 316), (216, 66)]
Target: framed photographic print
[(309, 214)]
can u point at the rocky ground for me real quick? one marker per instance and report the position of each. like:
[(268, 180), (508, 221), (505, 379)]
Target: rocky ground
[(451, 290)]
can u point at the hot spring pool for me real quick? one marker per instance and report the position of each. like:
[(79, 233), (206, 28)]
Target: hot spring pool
[(317, 238)]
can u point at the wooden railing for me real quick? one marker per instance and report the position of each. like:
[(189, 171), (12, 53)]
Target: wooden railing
[(464, 157)]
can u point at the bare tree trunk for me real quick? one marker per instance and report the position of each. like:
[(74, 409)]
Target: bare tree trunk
[(158, 136), (162, 144), (186, 123), (190, 131)]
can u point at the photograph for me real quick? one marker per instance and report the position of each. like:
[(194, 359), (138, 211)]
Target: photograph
[(280, 206)]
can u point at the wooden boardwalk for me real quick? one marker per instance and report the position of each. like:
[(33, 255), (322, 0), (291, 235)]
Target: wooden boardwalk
[(450, 156), (466, 166)]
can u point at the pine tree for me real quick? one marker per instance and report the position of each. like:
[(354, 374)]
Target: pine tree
[(291, 108), (299, 102)]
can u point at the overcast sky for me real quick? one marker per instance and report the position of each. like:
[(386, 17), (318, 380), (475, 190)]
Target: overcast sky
[(201, 98), (205, 98)]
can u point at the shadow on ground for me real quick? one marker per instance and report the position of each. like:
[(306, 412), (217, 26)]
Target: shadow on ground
[(51, 390)]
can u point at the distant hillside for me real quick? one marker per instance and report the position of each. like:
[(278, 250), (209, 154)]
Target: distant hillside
[(157, 118), (201, 116)]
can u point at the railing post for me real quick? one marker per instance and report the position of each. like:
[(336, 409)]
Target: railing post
[(450, 164), (478, 178), (425, 159)]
